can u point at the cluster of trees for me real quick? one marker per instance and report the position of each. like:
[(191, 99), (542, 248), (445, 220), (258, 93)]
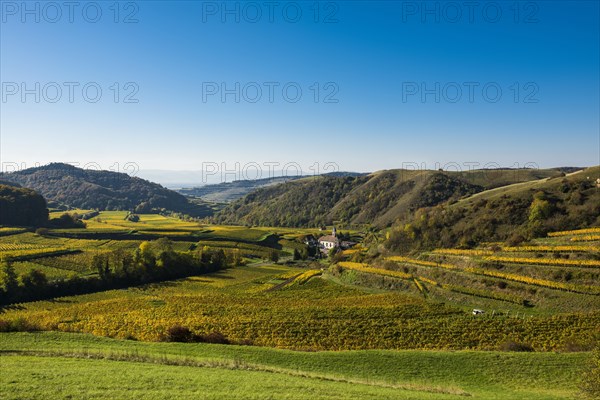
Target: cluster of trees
[(66, 221), (24, 207), (132, 217), (151, 262), (21, 207), (513, 217)]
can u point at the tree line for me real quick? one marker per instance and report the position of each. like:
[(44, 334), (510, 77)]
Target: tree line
[(151, 262)]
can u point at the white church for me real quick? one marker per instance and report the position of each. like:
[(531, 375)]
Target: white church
[(328, 242)]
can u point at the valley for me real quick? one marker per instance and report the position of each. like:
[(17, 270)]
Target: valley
[(112, 289)]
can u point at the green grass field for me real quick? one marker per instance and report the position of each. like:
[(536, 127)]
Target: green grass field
[(63, 365)]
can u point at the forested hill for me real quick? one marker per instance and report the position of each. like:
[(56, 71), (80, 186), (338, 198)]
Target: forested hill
[(377, 199), (103, 190), (21, 207)]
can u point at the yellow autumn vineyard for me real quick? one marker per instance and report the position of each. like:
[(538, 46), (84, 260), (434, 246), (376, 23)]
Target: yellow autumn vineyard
[(305, 277), (585, 238), (485, 294), (534, 281), (546, 261), (4, 247), (574, 232), (361, 267), (430, 281), (584, 289), (317, 315), (483, 252), (32, 252), (401, 259), (574, 249), (282, 305), (464, 252)]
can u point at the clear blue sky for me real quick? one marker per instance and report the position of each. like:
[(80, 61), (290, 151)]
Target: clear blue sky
[(376, 56)]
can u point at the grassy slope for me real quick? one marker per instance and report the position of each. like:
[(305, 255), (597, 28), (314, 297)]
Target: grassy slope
[(533, 185), (501, 213), (86, 364)]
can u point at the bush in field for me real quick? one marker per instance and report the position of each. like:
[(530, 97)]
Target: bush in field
[(132, 217), (297, 255), (18, 325), (515, 346), (178, 333), (34, 281), (274, 256), (540, 209), (8, 280), (515, 239), (213, 337), (41, 231), (66, 221)]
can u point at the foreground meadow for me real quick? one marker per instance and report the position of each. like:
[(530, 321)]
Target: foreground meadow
[(64, 365)]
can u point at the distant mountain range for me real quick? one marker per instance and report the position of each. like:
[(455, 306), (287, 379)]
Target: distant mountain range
[(102, 190), (231, 191)]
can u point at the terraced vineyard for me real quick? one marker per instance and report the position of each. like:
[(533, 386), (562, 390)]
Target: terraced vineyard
[(543, 277), (544, 294), (307, 313)]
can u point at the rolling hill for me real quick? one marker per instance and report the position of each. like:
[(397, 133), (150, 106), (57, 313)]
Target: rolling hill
[(516, 212), (102, 190), (378, 199)]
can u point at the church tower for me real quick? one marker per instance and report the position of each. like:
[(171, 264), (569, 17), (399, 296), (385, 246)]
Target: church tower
[(334, 232)]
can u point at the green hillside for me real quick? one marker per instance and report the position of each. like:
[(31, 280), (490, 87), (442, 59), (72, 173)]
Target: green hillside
[(515, 212)]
